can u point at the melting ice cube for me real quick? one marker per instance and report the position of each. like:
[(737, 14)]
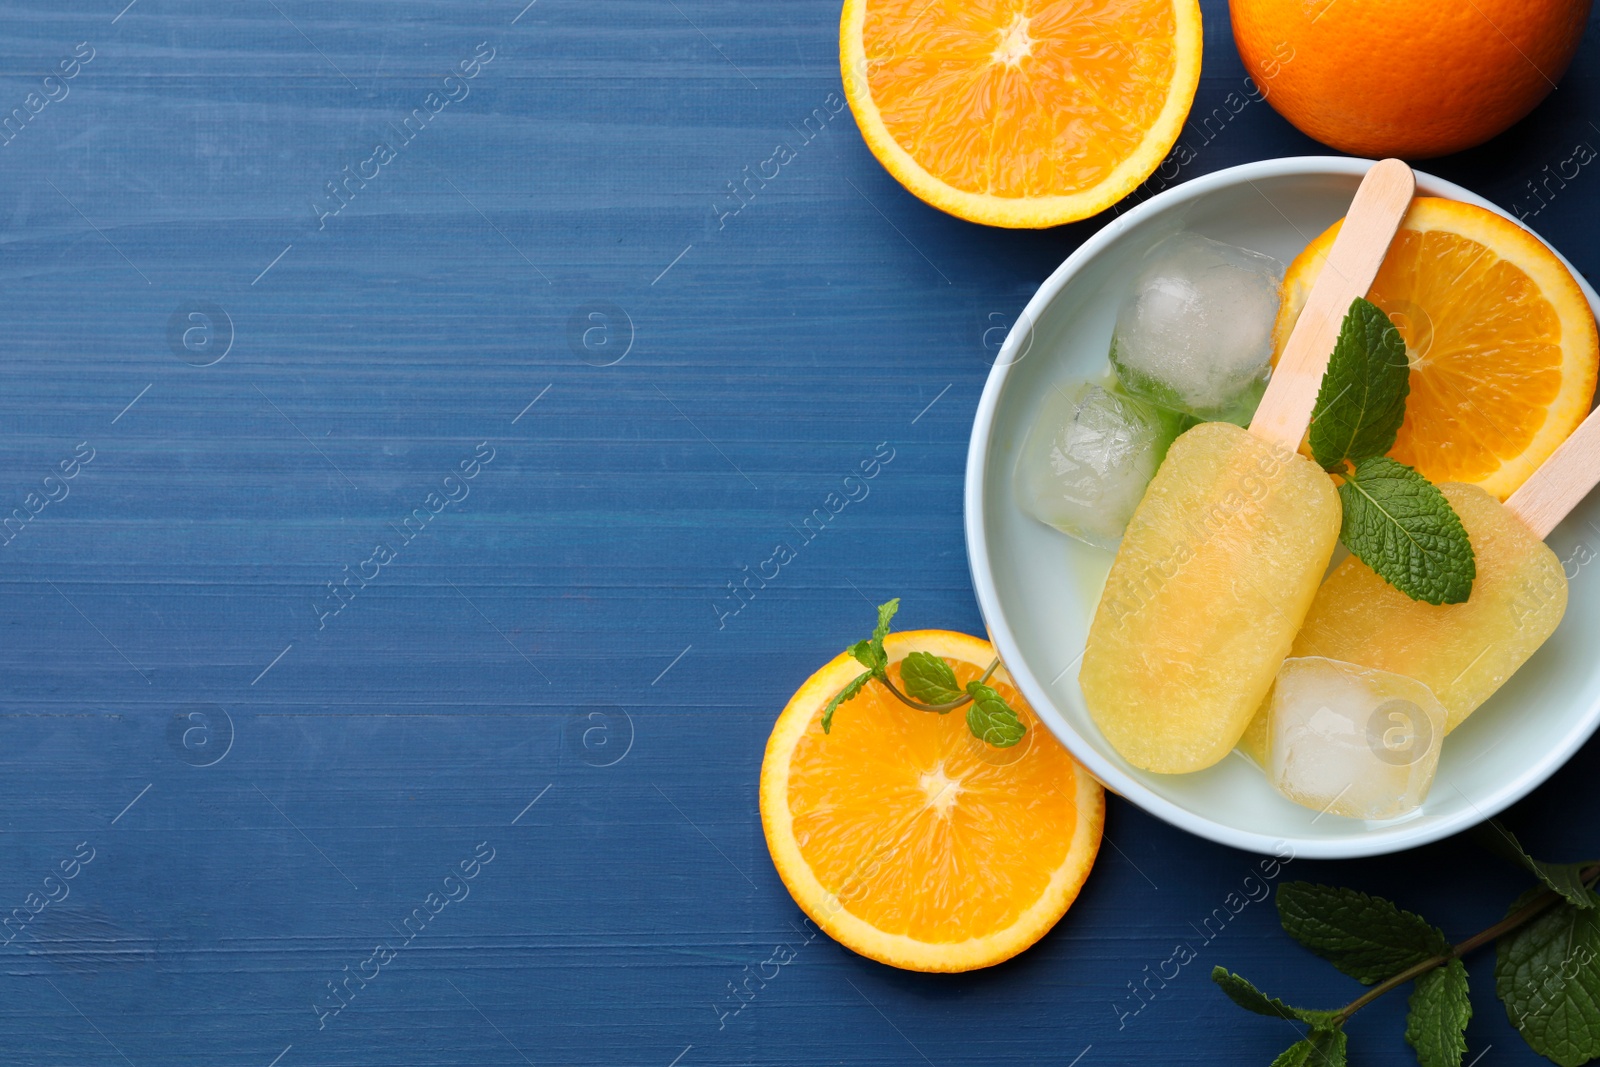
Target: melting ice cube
[(1194, 333), (1351, 740), (1088, 457)]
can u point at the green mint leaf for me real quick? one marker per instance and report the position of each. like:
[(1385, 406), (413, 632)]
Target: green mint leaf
[(1296, 1055), (886, 612), (1403, 527), (928, 678), (1563, 878), (1324, 1046), (991, 719), (870, 653), (1362, 400), (1437, 1022), (1327, 1048), (869, 657), (1319, 1048), (1366, 937), (1548, 974), (1248, 997), (858, 683)]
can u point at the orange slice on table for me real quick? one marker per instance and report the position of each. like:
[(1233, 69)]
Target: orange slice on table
[(909, 840), (1500, 337), (1020, 113)]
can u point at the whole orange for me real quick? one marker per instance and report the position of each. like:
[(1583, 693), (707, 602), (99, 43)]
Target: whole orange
[(1409, 78)]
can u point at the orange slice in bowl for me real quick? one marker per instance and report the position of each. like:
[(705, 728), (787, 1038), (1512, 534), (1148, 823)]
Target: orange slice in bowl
[(909, 840), (1020, 113), (1501, 341)]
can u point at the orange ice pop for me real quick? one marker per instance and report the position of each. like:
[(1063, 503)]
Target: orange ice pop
[(1222, 558), (1463, 652)]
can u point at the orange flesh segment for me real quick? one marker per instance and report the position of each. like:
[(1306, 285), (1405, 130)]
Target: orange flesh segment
[(1019, 98), (1486, 357), (889, 811), (1500, 335)]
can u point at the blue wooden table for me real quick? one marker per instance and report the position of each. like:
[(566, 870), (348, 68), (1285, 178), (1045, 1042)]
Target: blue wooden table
[(391, 393)]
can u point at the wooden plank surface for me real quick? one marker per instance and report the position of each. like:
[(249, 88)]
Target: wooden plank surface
[(256, 779)]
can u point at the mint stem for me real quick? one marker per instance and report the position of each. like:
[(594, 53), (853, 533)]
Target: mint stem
[(1523, 915), (959, 702)]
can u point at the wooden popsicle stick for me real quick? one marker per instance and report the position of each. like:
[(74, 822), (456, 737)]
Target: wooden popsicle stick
[(1375, 213), (1561, 481)]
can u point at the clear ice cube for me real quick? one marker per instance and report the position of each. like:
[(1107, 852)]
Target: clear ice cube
[(1088, 457), (1351, 740), (1194, 333)]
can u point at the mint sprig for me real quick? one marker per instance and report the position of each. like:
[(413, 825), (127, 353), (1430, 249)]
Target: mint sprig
[(1402, 526), (1366, 937), (1564, 878), (1362, 401), (930, 685), (1438, 1012), (1319, 1048), (990, 718), (1395, 520), (856, 685), (870, 653), (930, 679), (1549, 979), (1547, 967), (1324, 1043), (1248, 997)]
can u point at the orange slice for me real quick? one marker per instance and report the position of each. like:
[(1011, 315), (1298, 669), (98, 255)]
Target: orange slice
[(1021, 113), (909, 840), (1500, 337)]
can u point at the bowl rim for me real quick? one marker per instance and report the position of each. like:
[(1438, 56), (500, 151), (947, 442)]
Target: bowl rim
[(1363, 842)]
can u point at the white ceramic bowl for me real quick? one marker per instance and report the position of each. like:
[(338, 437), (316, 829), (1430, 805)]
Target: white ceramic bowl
[(1038, 588)]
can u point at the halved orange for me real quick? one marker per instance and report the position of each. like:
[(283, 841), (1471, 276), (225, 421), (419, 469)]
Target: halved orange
[(909, 840), (1501, 341), (1022, 113)]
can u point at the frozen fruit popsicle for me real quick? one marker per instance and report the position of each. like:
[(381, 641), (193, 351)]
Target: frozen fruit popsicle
[(1223, 554), (1463, 652)]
